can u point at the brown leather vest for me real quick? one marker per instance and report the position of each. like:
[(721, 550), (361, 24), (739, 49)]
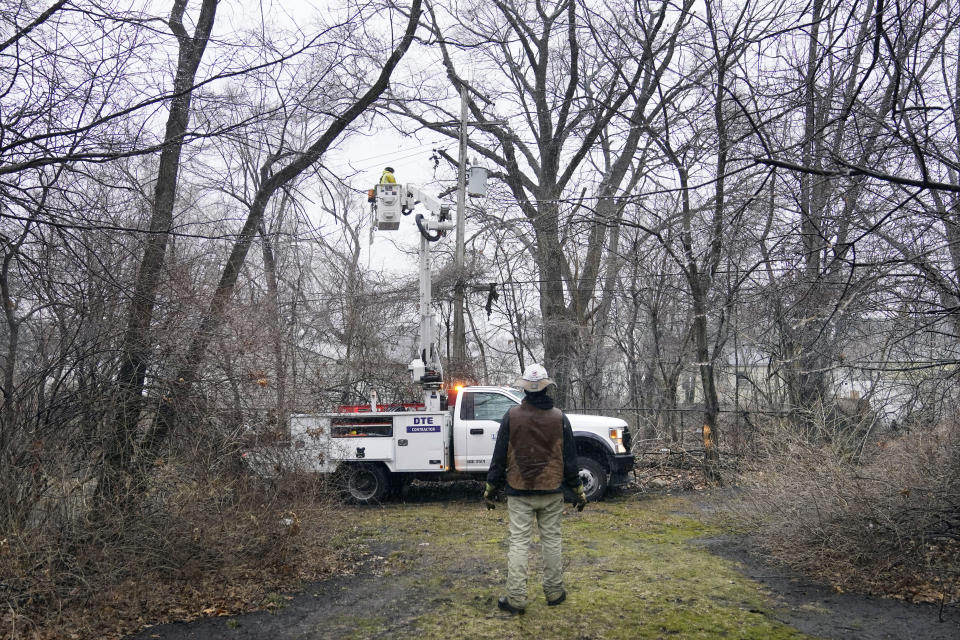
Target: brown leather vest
[(535, 449)]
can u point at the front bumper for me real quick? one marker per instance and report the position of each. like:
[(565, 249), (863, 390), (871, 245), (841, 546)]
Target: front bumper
[(621, 464)]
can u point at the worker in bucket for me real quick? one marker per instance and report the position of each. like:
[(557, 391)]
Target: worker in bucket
[(536, 455), (387, 177)]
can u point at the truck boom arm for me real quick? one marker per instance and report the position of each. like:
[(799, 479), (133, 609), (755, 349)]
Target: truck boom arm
[(426, 369), (412, 194)]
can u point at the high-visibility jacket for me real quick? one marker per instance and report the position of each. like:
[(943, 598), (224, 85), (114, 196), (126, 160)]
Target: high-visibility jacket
[(387, 178)]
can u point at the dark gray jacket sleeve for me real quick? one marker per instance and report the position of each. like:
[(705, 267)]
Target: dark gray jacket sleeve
[(497, 474), (571, 472)]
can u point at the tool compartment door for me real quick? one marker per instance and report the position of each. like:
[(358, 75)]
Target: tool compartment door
[(361, 436), (420, 441)]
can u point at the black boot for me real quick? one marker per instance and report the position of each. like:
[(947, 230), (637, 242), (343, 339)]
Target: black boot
[(504, 605)]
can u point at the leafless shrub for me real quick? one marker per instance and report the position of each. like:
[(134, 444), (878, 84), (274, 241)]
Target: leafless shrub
[(889, 523), (201, 533)]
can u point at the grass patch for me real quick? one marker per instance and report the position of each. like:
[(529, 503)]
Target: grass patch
[(630, 572)]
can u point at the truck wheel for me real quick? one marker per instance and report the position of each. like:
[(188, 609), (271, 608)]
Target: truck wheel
[(593, 476), (365, 483)]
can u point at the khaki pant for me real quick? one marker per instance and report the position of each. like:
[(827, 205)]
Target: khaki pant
[(546, 511)]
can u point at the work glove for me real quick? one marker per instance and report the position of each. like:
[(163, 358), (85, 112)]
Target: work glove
[(580, 498), (488, 492)]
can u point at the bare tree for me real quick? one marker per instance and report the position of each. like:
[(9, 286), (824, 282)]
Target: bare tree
[(274, 175), (549, 93), (652, 331), (119, 445), (855, 97)]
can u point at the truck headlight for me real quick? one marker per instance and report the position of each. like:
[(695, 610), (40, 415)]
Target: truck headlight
[(616, 434)]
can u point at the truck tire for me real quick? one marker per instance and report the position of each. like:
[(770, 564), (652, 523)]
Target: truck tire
[(365, 483), (593, 475)]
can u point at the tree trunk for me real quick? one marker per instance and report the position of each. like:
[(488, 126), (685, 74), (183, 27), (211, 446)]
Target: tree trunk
[(276, 326), (119, 449), (711, 403), (559, 328)]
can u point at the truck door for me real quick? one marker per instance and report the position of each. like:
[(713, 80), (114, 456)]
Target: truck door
[(480, 413)]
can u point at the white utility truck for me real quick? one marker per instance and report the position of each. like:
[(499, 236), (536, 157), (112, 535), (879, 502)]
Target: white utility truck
[(375, 452)]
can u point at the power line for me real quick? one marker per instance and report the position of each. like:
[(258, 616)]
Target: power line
[(678, 274), (362, 163), (305, 235)]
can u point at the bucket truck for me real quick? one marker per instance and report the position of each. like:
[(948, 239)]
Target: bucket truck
[(375, 453)]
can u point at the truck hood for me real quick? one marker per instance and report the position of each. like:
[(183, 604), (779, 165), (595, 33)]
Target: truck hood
[(594, 423)]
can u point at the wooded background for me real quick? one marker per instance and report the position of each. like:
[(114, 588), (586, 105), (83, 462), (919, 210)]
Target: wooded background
[(718, 219)]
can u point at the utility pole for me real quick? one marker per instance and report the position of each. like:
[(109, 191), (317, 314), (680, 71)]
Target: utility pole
[(459, 359)]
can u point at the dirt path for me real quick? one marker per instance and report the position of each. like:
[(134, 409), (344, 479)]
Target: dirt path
[(821, 612), (636, 568)]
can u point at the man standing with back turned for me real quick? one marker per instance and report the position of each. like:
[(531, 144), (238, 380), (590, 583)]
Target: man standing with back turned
[(536, 454)]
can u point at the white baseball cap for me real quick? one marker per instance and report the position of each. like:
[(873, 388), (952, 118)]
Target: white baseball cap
[(534, 379)]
